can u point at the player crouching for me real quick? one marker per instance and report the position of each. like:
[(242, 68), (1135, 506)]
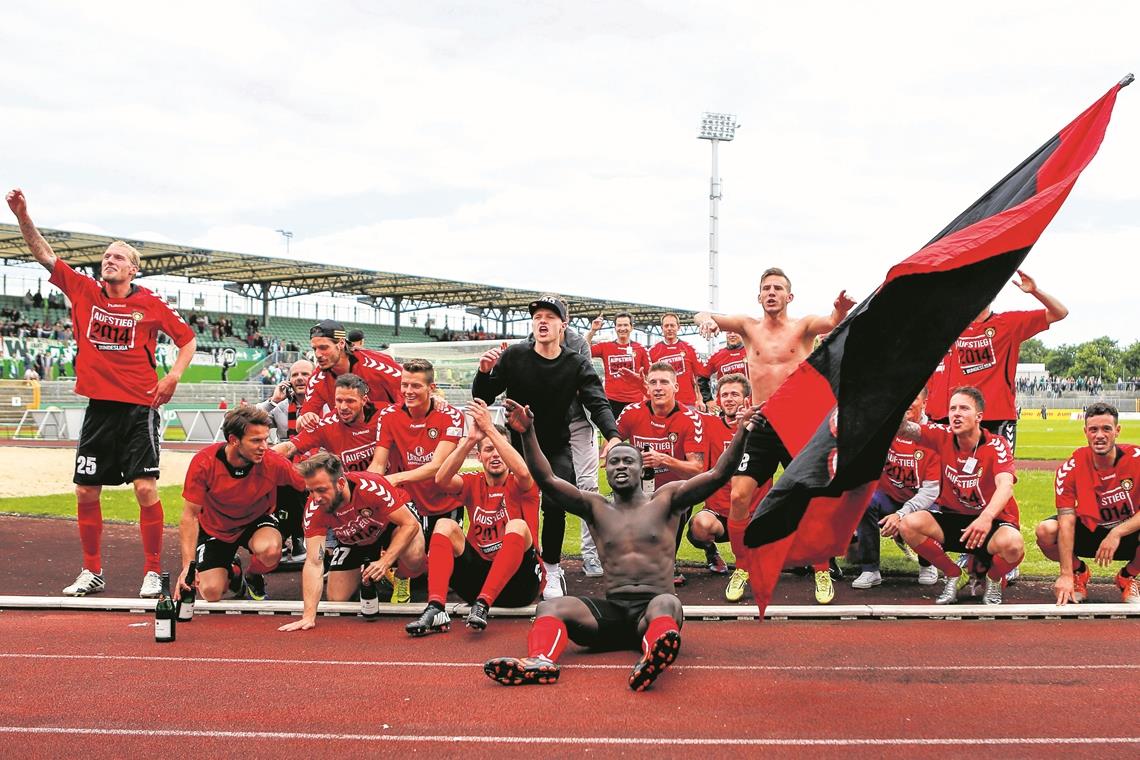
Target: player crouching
[(229, 496), (358, 508), (1096, 510), (496, 562)]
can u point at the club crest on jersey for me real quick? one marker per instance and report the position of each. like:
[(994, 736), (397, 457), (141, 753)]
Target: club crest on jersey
[(1126, 484), (673, 437), (366, 512), (432, 433), (137, 315), (990, 332), (918, 454)]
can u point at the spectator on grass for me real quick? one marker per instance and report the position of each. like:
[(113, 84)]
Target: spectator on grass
[(1097, 516)]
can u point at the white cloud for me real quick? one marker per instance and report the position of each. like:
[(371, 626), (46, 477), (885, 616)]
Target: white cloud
[(553, 144)]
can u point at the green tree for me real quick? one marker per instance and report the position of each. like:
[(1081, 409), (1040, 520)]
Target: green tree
[(1060, 361), (1033, 351), (1090, 360), (1130, 360)]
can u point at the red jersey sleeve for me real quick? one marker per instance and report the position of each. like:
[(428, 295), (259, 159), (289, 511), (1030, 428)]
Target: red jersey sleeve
[(454, 429), (316, 521), (1003, 457), (597, 350), (284, 473), (931, 467), (625, 421), (307, 440), (933, 436), (171, 323), (69, 281), (1065, 485), (1028, 323), (314, 395), (194, 488)]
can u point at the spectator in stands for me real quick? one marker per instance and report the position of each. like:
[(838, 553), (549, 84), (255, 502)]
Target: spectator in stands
[(355, 338), (985, 356), (38, 300), (222, 403), (549, 379)]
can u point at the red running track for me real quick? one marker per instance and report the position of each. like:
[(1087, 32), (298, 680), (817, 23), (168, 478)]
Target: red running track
[(96, 683)]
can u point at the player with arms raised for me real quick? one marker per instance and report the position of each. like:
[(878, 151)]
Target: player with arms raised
[(634, 533), (775, 344), (116, 329)]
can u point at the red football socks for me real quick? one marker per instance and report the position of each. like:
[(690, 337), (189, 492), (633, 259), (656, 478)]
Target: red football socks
[(657, 628), (441, 563), (150, 526), (932, 552), (736, 541), (1000, 568), (547, 638), (503, 567), (90, 515)]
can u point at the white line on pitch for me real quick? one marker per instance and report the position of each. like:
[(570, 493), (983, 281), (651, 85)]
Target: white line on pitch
[(587, 740), (576, 666)]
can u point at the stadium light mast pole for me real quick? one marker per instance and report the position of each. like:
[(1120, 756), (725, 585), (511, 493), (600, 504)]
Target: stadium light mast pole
[(716, 128), (288, 238)]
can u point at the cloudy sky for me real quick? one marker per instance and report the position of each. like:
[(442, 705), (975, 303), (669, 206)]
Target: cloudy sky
[(553, 145)]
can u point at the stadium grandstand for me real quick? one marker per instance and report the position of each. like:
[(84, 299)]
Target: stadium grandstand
[(257, 343)]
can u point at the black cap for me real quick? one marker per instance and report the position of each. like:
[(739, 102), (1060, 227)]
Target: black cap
[(327, 328), (355, 334), (549, 301)]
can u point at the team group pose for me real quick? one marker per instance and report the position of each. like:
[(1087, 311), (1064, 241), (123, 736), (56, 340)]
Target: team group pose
[(366, 482)]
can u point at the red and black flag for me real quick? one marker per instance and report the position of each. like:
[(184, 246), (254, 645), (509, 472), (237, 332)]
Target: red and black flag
[(838, 412)]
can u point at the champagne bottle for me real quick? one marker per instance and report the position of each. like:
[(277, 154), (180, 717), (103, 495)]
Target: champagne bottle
[(648, 474), (186, 599), (369, 601), (165, 616)]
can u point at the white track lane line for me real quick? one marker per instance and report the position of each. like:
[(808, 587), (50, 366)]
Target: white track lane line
[(577, 740), (576, 666)]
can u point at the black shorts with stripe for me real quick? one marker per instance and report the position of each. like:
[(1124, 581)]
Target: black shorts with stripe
[(213, 552), (471, 570), (952, 525), (1086, 542), (119, 443)]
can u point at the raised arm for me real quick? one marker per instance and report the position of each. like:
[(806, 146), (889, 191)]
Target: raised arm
[(489, 381), (700, 487), (447, 477), (595, 325), (710, 324), (514, 461), (576, 502), (41, 250), (816, 325), (1055, 311)]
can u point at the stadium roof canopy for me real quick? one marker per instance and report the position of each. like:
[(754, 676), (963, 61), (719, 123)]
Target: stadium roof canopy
[(270, 278)]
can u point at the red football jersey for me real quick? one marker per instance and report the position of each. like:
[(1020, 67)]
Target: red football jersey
[(232, 498), (718, 434), (679, 433), (1113, 492), (985, 356), (361, 519), (908, 465), (354, 444), (490, 507), (411, 444), (967, 490), (116, 337), (381, 372), (616, 357), (682, 357), (727, 361)]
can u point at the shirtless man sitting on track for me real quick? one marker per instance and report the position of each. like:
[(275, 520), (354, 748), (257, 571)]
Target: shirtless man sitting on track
[(775, 344), (635, 534)]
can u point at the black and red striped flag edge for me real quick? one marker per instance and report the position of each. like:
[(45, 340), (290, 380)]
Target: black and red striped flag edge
[(838, 412)]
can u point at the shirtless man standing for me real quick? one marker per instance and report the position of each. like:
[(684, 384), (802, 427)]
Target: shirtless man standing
[(775, 345)]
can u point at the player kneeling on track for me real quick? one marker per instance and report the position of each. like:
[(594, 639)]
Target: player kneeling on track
[(978, 515), (229, 495), (358, 508), (634, 533), (496, 562), (1096, 510)]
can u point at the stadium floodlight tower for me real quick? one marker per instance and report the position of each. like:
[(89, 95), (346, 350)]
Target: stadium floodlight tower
[(716, 128)]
